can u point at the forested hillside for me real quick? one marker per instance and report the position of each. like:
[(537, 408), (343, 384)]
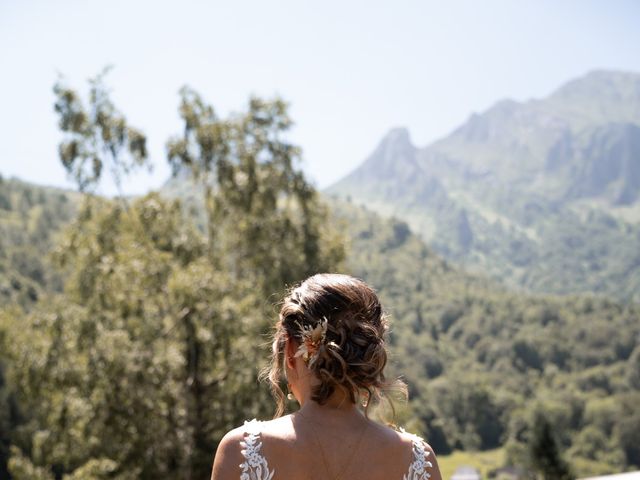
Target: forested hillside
[(132, 331), (480, 361), (541, 195), (30, 216)]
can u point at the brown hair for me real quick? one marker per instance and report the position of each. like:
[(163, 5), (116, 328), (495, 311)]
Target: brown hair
[(353, 355)]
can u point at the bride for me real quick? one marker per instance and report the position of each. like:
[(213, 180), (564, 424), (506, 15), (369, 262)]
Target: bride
[(329, 344)]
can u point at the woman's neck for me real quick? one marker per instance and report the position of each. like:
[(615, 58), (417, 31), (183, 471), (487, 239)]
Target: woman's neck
[(338, 406)]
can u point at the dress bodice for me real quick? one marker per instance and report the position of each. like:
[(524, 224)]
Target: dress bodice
[(256, 467)]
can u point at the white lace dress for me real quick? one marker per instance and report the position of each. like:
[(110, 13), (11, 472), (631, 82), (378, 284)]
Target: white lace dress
[(255, 466)]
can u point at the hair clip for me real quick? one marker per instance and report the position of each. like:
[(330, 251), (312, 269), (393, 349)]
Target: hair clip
[(312, 338)]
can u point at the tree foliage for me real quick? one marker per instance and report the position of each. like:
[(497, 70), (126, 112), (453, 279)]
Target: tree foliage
[(480, 361), (151, 353), (96, 136), (29, 221), (544, 452), (255, 197)]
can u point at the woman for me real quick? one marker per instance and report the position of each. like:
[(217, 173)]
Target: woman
[(329, 343)]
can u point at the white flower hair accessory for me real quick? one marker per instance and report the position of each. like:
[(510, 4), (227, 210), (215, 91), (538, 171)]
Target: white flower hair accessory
[(312, 338)]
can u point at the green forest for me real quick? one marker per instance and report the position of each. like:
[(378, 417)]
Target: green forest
[(132, 330)]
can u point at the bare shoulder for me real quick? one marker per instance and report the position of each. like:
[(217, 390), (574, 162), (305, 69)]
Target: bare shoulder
[(390, 436), (228, 455), (280, 428), (429, 455)]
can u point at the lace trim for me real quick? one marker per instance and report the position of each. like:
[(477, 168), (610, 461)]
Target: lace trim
[(418, 468), (255, 466)]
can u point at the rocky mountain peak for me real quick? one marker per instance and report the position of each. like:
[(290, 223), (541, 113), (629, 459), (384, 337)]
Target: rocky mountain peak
[(397, 139), (395, 155), (601, 83)]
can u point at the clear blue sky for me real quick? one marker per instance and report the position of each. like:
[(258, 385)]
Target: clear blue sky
[(350, 69)]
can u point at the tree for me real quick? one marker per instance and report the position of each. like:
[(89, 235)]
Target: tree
[(264, 220), (114, 381), (151, 353), (544, 451), (7, 419), (633, 369), (96, 137), (260, 208)]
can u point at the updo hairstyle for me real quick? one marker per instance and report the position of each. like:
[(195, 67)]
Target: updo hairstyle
[(353, 355)]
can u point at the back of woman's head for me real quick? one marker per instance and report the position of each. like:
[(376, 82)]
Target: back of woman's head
[(351, 354)]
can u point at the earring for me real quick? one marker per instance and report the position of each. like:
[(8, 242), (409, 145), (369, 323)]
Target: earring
[(290, 395)]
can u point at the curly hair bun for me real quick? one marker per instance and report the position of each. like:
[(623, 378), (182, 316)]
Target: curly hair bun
[(352, 354)]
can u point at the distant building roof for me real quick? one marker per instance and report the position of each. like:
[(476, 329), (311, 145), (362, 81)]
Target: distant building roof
[(467, 473), (618, 476)]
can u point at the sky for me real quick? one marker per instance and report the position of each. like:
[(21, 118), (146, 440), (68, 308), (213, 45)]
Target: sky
[(350, 70)]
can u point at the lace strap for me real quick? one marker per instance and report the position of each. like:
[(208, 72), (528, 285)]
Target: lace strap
[(255, 466), (418, 468)]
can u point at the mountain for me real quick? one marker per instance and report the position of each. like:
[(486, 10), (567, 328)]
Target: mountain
[(542, 195)]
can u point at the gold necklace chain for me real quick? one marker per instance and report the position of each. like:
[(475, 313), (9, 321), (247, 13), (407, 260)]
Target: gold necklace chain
[(344, 469)]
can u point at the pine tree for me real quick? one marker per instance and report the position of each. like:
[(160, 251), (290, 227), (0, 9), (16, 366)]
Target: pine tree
[(544, 451)]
